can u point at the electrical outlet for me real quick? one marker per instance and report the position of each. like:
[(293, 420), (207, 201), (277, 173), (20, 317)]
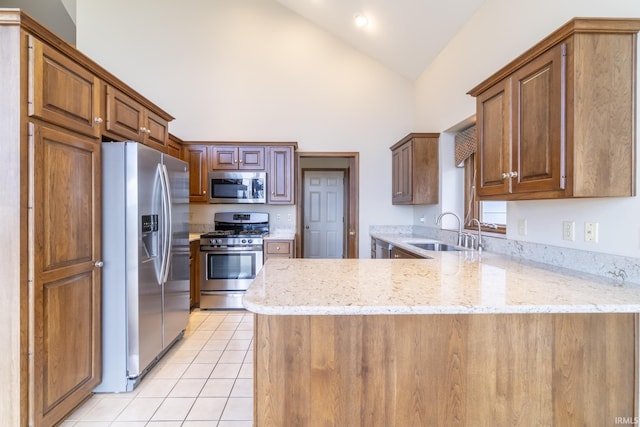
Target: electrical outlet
[(289, 217), (591, 232), (569, 230), (277, 217), (522, 227)]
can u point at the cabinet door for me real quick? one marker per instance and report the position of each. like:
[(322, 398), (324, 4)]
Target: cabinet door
[(156, 131), (174, 149), (194, 264), (493, 153), (224, 157), (402, 170), (66, 282), (61, 91), (538, 139), (280, 175), (196, 156), (251, 158), (124, 115), (397, 253)]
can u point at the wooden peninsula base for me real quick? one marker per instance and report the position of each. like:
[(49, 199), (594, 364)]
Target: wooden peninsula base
[(446, 370)]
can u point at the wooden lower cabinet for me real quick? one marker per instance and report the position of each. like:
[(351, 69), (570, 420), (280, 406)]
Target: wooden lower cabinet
[(445, 370), (401, 253), (284, 248), (194, 268), (66, 297)]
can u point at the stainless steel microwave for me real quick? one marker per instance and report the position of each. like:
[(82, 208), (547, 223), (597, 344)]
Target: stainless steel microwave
[(237, 187)]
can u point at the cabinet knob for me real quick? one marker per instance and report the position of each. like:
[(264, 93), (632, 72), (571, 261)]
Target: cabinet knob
[(204, 192), (98, 120), (99, 264), (143, 130), (513, 174), (505, 175), (277, 248)]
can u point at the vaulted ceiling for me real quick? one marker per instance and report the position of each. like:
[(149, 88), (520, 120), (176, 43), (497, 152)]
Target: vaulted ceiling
[(404, 35)]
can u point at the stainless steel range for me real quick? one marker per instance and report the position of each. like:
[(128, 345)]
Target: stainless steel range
[(230, 258)]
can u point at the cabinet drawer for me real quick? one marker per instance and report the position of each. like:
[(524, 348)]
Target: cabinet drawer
[(278, 247)]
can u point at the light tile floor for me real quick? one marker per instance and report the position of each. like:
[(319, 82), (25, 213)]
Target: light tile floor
[(205, 380)]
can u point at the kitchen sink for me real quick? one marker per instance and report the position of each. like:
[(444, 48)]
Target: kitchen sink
[(436, 246)]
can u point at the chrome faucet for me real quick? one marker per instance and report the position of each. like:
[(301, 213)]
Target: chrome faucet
[(439, 219), (479, 241)]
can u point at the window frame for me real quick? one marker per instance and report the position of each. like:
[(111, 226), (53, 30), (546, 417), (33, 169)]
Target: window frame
[(471, 203)]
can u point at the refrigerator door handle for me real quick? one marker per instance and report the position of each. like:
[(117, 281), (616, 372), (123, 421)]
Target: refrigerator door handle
[(168, 219), (165, 229)]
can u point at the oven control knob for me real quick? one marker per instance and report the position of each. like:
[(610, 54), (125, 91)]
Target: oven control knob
[(244, 240), (250, 241)]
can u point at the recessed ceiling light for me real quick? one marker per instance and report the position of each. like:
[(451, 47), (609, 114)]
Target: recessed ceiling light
[(361, 20)]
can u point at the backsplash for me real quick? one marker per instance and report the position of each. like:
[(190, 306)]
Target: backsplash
[(623, 270)]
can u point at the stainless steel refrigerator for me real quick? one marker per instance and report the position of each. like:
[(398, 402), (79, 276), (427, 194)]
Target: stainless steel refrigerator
[(145, 278)]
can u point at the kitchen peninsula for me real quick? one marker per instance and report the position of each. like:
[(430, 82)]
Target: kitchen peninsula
[(461, 339)]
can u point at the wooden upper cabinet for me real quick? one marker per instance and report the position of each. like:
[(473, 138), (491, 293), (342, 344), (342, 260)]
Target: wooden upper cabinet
[(174, 146), (127, 118), (197, 157), (414, 169), (280, 175), (559, 121), (61, 91), (537, 117), (156, 131), (228, 157), (275, 160), (494, 143)]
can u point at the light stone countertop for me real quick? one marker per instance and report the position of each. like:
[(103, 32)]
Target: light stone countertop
[(194, 236), (281, 235), (448, 283)]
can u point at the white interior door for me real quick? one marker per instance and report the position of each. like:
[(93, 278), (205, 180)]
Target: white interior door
[(323, 214)]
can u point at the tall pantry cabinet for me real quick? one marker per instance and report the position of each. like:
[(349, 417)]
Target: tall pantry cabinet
[(51, 127)]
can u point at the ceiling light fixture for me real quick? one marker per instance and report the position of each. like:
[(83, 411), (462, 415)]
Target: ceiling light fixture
[(361, 20)]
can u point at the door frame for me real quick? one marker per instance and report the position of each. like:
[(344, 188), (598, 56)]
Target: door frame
[(351, 195)]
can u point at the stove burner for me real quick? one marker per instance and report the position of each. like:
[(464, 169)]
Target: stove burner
[(217, 233), (251, 233)]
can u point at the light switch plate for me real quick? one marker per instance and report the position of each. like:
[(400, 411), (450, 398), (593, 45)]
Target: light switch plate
[(522, 227), (591, 232)]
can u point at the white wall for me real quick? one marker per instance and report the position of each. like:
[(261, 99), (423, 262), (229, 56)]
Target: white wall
[(498, 32), (252, 70)]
